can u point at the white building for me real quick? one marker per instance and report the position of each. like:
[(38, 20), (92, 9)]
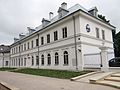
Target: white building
[(4, 56), (73, 40)]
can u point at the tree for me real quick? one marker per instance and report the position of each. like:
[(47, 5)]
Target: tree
[(103, 18), (117, 44)]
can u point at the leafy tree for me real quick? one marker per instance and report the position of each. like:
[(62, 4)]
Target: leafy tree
[(103, 18), (117, 44)]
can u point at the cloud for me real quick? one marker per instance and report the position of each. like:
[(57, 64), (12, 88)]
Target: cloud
[(17, 15)]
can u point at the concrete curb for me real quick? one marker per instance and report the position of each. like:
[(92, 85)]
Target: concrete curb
[(85, 75), (5, 86)]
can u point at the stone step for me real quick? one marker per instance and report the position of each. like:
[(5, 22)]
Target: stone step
[(100, 77), (116, 75), (109, 83), (117, 79)]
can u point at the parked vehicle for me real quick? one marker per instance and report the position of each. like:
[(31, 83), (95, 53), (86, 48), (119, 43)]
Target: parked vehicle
[(115, 62)]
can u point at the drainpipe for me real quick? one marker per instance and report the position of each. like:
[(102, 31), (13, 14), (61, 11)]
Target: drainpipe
[(19, 55), (75, 42), (38, 50)]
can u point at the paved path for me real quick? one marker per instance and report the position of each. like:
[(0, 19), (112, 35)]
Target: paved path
[(30, 82)]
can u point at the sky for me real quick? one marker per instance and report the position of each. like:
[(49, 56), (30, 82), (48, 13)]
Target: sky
[(17, 15)]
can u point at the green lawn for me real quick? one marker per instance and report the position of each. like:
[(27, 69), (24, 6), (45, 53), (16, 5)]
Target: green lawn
[(52, 73), (6, 69)]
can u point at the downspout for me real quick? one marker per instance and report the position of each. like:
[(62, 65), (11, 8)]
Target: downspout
[(75, 42), (38, 50), (20, 55)]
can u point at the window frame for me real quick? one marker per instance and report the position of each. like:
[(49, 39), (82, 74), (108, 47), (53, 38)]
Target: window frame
[(66, 58), (37, 42), (55, 35), (56, 58), (42, 40), (49, 59), (65, 33), (37, 60), (48, 38), (42, 60), (103, 34), (32, 63), (97, 33)]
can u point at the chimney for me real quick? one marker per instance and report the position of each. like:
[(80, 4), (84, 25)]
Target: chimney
[(50, 15), (21, 35), (30, 30), (15, 40), (64, 5)]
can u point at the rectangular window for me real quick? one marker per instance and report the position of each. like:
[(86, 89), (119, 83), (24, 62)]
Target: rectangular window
[(19, 48), (97, 33), (28, 45), (16, 50), (12, 51), (64, 30), (32, 44), (21, 61), (25, 61), (55, 35), (103, 34), (24, 47), (48, 38), (37, 42), (42, 40)]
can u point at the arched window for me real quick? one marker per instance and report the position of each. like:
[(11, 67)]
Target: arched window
[(37, 60), (56, 58), (49, 59), (42, 59), (65, 58), (21, 61), (25, 61), (32, 60)]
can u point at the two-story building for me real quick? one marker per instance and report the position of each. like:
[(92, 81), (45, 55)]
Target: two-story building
[(4, 56), (73, 40)]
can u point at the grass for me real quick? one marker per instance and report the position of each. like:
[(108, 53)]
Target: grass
[(7, 69), (52, 73)]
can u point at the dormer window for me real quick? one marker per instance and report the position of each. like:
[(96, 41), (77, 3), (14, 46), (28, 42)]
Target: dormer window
[(62, 11), (45, 22)]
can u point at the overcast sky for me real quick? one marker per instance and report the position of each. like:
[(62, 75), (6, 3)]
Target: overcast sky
[(17, 15)]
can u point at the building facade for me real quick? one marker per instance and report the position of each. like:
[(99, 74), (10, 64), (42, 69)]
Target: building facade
[(4, 56), (72, 40)]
